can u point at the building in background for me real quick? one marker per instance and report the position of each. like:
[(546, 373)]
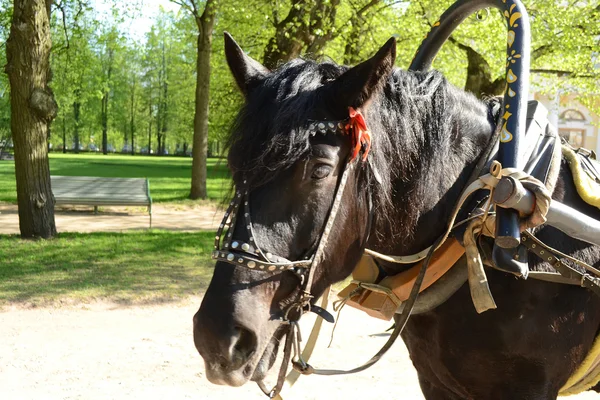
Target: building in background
[(574, 121)]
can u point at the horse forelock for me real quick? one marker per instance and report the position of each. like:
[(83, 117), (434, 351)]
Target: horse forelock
[(270, 132)]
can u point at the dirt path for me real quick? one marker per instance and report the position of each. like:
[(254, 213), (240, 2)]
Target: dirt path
[(104, 351), (107, 351), (117, 219)]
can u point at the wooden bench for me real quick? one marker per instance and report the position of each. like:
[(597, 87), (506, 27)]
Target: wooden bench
[(96, 191)]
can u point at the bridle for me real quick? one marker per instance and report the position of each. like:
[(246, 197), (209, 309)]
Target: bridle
[(250, 254)]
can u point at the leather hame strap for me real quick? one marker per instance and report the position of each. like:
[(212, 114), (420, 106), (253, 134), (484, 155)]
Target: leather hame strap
[(553, 257)]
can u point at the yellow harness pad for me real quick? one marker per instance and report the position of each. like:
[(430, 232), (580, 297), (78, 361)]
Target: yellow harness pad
[(587, 187), (588, 373)]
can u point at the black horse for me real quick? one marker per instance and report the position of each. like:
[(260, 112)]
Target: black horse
[(427, 137)]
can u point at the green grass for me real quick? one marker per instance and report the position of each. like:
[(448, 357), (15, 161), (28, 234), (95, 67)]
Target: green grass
[(169, 176), (131, 268)]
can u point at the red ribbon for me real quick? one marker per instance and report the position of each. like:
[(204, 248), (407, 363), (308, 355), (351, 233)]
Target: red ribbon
[(357, 127)]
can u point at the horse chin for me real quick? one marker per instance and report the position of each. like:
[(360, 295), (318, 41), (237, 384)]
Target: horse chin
[(231, 378)]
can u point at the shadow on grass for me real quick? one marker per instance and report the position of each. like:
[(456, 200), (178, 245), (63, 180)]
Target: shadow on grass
[(129, 268)]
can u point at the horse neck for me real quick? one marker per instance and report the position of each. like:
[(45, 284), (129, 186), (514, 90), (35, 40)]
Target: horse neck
[(437, 155)]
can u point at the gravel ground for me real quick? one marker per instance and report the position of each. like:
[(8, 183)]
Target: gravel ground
[(107, 351)]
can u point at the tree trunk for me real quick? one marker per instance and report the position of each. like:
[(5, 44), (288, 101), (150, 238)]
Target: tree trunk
[(309, 24), (104, 119), (64, 134), (105, 105), (132, 120), (150, 127), (164, 106), (76, 114), (159, 125), (479, 76), (205, 25), (32, 109)]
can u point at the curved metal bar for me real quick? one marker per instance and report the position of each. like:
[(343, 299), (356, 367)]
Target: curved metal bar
[(517, 87)]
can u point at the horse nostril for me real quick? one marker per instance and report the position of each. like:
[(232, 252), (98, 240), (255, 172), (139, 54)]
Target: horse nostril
[(243, 345)]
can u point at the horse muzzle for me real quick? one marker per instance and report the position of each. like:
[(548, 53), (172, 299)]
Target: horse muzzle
[(227, 353)]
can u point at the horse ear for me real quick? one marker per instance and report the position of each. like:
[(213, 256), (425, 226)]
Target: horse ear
[(246, 71), (357, 85)]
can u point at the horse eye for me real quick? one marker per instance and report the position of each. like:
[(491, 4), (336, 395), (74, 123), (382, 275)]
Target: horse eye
[(321, 171)]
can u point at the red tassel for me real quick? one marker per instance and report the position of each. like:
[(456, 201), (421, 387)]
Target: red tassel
[(357, 127)]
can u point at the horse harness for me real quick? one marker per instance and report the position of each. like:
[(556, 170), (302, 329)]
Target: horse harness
[(250, 254)]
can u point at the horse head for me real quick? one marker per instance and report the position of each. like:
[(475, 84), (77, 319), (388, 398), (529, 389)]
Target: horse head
[(290, 149)]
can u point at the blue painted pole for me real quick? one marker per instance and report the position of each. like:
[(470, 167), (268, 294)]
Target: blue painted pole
[(516, 93)]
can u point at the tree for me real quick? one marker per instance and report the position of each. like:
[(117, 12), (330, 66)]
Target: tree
[(5, 18), (564, 44), (32, 109), (309, 24), (205, 20), (107, 67)]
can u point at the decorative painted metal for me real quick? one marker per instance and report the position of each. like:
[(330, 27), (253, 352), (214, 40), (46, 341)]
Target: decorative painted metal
[(515, 94)]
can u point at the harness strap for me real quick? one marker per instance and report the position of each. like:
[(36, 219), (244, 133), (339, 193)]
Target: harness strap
[(553, 257), (287, 351), (400, 322)]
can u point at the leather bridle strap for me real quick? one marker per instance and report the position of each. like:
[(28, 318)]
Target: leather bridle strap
[(400, 323), (318, 256), (303, 304), (287, 352)]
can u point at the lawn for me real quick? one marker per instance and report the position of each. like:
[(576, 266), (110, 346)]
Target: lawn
[(132, 268), (169, 176)]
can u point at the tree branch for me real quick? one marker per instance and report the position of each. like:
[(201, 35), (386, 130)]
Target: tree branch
[(184, 4), (61, 7), (390, 5), (541, 51), (560, 72)]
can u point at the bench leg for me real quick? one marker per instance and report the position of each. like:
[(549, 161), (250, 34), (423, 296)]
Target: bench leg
[(96, 210), (150, 213)]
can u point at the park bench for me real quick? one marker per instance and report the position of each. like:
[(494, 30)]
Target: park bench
[(97, 191)]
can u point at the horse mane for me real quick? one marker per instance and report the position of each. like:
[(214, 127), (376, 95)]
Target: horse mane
[(412, 118)]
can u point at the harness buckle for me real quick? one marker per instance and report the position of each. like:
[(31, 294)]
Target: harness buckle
[(301, 366)]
